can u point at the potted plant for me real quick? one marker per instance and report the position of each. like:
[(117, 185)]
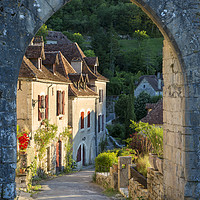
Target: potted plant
[(155, 135), (23, 141)]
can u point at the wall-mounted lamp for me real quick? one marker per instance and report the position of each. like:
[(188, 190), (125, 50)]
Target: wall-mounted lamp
[(34, 102)]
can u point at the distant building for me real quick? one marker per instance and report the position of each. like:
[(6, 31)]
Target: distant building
[(155, 113), (150, 84)]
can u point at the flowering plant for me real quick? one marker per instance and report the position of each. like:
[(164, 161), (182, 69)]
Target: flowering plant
[(153, 133), (23, 139)]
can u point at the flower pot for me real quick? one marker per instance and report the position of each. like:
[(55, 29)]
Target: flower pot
[(159, 164), (152, 160)]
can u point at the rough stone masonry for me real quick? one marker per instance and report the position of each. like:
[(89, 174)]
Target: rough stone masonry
[(179, 23)]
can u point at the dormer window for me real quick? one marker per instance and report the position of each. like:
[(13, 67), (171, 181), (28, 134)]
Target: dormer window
[(39, 63)]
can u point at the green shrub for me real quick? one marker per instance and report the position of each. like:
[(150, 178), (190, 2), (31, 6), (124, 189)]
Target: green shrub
[(143, 164), (104, 161), (117, 130)]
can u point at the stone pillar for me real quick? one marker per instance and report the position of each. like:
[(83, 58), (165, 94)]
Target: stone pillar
[(174, 121), (123, 164)]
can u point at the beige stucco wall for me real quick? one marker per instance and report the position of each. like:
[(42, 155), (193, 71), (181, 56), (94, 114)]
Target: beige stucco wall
[(85, 136), (27, 114), (101, 110)]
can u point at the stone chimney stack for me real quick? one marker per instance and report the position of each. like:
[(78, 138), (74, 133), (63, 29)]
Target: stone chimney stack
[(77, 64)]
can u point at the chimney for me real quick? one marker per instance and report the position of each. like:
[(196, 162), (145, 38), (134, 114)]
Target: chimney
[(76, 63)]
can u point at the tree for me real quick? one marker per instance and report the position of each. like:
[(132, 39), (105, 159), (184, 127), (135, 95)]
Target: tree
[(140, 103), (43, 31)]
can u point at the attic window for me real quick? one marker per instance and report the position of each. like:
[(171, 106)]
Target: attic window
[(143, 86)]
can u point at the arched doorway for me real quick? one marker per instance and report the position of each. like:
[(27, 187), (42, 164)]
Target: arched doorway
[(178, 23)]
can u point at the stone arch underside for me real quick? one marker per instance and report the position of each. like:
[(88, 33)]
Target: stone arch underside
[(179, 23)]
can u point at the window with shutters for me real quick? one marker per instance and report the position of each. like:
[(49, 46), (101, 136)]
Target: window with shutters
[(82, 120), (42, 107), (88, 119), (78, 159), (100, 95), (102, 128), (99, 123), (60, 103)]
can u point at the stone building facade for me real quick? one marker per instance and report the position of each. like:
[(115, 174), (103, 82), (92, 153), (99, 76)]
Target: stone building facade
[(179, 24), (150, 84)]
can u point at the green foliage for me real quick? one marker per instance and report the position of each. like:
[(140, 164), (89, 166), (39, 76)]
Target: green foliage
[(70, 163), (140, 103), (140, 35), (116, 130), (153, 133), (103, 143), (155, 99), (89, 53), (104, 161), (142, 164), (43, 31), (43, 137)]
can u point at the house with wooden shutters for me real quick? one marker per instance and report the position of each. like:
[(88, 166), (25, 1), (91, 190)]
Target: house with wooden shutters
[(87, 100), (42, 93)]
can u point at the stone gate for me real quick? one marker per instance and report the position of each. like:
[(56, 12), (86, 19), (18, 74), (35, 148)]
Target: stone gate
[(178, 20)]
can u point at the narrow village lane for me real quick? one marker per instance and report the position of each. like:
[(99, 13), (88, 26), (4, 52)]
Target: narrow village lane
[(76, 186)]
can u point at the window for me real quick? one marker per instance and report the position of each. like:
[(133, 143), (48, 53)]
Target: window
[(143, 86), (102, 123), (99, 123), (100, 95), (42, 107), (60, 103), (39, 63), (78, 159), (88, 117), (82, 120)]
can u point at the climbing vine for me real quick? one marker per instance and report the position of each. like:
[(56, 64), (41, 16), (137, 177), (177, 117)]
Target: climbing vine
[(43, 137)]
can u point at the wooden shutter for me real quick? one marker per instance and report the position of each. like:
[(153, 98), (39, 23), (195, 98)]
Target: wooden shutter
[(39, 106), (58, 103), (102, 122), (79, 154), (88, 125), (46, 107), (82, 120), (99, 125), (63, 102)]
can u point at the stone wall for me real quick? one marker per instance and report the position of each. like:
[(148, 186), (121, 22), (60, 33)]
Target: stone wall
[(103, 179), (155, 185), (137, 190)]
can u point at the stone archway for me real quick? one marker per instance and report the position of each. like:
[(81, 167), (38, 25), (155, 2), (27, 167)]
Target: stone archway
[(179, 23)]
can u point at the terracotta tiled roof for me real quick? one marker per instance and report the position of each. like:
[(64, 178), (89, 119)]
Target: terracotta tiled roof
[(38, 40), (152, 80), (35, 51), (28, 70), (156, 115), (71, 51), (91, 61), (59, 37), (73, 91), (76, 77), (51, 58)]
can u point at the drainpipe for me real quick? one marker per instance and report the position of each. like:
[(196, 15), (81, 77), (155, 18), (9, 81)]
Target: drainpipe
[(96, 126), (48, 98)]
